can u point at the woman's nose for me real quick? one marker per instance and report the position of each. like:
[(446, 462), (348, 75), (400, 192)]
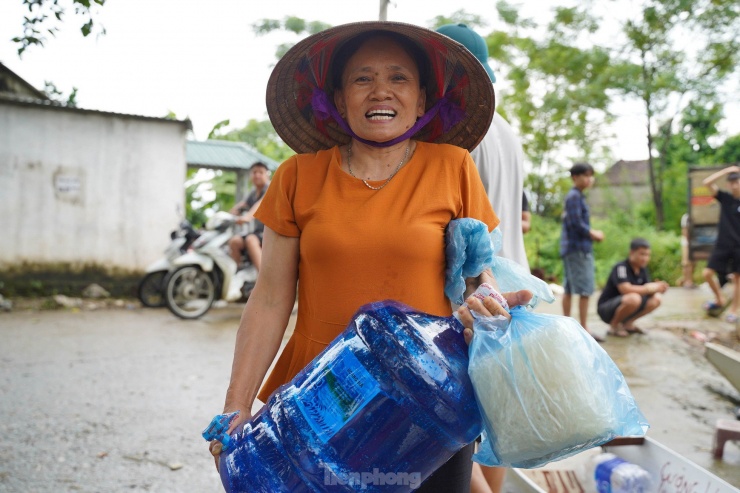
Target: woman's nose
[(381, 89)]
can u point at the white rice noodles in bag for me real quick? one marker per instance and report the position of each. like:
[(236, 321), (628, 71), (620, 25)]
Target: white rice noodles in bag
[(546, 390)]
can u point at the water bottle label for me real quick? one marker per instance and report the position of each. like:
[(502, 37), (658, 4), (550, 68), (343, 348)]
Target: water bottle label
[(330, 402), (603, 474)]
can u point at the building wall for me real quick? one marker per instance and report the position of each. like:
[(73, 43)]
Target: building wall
[(84, 188), (605, 198)]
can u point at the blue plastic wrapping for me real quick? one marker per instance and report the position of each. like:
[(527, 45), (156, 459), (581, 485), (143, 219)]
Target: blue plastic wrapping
[(218, 428), (380, 409), (470, 250), (546, 390)]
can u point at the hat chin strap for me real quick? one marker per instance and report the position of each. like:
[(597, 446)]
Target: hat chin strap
[(449, 112)]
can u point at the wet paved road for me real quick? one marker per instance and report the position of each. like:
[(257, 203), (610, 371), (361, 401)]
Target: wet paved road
[(114, 400)]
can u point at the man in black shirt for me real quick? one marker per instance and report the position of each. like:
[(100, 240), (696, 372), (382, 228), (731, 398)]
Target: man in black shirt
[(726, 253), (629, 294)]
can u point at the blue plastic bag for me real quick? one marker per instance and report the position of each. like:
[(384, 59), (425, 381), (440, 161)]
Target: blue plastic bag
[(470, 250), (546, 390)]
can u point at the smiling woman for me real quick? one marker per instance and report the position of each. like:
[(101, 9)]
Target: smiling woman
[(360, 215)]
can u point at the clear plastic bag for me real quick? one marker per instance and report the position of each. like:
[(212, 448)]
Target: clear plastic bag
[(546, 390)]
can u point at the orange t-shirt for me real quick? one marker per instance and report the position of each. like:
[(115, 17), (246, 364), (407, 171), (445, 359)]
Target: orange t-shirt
[(359, 245)]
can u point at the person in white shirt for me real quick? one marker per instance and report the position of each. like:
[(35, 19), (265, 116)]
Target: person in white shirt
[(500, 162), (499, 158)]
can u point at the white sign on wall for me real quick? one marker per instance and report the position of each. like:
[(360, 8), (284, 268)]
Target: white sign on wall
[(69, 184)]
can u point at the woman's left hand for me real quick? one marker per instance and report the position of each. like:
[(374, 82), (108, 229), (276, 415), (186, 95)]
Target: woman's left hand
[(489, 307)]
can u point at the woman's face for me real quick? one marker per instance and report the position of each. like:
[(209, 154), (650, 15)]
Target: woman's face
[(381, 97)]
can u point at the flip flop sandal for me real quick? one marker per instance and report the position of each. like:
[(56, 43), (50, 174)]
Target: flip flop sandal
[(714, 309), (635, 330), (731, 318), (618, 333)]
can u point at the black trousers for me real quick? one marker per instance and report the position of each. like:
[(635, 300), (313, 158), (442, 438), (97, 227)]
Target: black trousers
[(453, 476)]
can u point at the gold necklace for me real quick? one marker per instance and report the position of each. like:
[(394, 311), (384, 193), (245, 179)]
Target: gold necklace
[(349, 167)]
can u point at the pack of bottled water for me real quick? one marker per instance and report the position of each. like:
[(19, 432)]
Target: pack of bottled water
[(607, 473)]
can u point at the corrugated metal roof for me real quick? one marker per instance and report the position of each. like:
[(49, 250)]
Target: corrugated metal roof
[(224, 154), (22, 82), (38, 103)]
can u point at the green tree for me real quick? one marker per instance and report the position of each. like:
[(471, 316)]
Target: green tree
[(292, 24), (678, 150), (459, 17), (729, 151), (208, 191), (668, 73), (261, 135), (45, 16), (561, 94), (53, 92)]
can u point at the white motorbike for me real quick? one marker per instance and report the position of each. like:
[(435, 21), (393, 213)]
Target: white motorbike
[(150, 287), (207, 272)]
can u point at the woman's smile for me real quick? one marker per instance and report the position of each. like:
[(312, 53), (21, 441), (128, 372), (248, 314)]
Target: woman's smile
[(380, 114)]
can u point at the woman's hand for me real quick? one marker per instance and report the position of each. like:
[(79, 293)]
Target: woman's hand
[(214, 446), (489, 307)]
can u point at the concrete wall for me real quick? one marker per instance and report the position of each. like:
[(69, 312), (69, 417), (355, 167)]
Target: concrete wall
[(87, 188)]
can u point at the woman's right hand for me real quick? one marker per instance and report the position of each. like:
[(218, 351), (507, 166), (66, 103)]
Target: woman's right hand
[(214, 446)]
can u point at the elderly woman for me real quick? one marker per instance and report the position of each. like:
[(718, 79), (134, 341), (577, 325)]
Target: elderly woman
[(360, 215)]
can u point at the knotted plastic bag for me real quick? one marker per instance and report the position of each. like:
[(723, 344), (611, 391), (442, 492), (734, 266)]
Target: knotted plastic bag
[(469, 250), (546, 390)]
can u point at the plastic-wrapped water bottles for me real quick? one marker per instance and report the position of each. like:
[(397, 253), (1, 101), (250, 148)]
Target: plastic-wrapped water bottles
[(386, 404), (608, 473)]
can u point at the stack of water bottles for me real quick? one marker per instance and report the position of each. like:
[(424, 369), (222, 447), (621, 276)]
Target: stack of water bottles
[(387, 403)]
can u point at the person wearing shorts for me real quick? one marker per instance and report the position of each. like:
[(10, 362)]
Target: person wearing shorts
[(629, 293), (251, 241), (726, 253), (576, 244)]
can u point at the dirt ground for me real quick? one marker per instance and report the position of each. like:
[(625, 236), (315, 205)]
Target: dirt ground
[(113, 397)]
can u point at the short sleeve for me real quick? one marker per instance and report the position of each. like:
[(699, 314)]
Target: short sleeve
[(620, 274), (276, 210), (723, 197), (474, 201)]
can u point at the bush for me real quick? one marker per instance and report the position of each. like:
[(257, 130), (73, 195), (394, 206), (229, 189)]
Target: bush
[(543, 246)]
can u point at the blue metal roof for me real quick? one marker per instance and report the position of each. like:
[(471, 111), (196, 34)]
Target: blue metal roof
[(224, 154)]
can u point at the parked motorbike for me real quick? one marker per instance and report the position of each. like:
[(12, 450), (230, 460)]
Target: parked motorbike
[(150, 289), (207, 272)]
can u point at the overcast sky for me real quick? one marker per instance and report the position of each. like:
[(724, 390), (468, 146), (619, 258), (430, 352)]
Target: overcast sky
[(200, 58)]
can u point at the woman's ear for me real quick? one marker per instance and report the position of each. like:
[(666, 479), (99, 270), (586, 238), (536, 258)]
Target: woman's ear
[(339, 103)]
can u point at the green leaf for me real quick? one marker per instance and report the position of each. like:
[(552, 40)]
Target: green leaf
[(87, 28), (214, 131), (265, 26), (294, 24)]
